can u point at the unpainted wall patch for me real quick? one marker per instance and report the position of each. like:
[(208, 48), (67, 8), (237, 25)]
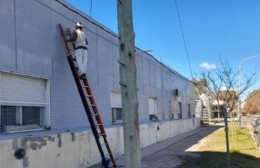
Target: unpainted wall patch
[(33, 143), (25, 162), (58, 155), (73, 138), (59, 140), (15, 144)]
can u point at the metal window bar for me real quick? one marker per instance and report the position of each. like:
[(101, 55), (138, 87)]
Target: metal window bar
[(180, 108), (116, 115), (21, 118), (32, 116)]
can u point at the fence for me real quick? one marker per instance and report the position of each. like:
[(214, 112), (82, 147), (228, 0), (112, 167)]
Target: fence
[(254, 128)]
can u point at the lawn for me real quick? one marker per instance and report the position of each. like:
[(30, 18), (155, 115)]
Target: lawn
[(210, 153)]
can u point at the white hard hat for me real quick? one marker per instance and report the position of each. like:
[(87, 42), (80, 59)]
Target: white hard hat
[(79, 24)]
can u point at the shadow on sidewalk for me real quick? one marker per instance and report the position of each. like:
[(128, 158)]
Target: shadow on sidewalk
[(172, 155)]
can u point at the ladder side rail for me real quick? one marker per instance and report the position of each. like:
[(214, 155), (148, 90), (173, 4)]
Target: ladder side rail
[(99, 120), (73, 44), (92, 101), (95, 110), (87, 110), (83, 98)]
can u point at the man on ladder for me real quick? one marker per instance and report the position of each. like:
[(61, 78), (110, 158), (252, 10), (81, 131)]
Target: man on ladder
[(81, 52)]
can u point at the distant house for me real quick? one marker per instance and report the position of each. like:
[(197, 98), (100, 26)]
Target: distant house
[(40, 108), (207, 108)]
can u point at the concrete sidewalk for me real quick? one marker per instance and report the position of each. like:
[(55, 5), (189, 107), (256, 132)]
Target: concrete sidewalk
[(171, 152), (151, 149)]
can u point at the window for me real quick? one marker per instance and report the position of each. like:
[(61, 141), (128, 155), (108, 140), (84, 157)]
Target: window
[(18, 118), (24, 103), (117, 115), (189, 114), (153, 114), (171, 111), (171, 116), (180, 110), (116, 105)]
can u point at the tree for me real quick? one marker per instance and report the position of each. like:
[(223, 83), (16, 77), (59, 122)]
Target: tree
[(128, 84), (222, 87), (252, 104), (200, 86)]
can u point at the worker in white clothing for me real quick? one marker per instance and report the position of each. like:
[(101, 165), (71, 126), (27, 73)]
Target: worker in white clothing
[(81, 52)]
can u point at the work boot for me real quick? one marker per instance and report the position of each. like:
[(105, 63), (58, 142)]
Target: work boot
[(82, 76)]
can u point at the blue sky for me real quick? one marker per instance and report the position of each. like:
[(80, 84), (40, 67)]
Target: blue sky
[(212, 29)]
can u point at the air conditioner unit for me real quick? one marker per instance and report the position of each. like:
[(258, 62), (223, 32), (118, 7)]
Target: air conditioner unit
[(176, 92)]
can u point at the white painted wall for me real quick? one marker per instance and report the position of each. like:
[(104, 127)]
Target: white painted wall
[(78, 149)]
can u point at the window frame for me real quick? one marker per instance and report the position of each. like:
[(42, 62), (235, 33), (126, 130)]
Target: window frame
[(189, 110), (180, 110), (115, 119), (153, 109), (116, 104), (44, 105), (19, 126)]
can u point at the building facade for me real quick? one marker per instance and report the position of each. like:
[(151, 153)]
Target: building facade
[(41, 111)]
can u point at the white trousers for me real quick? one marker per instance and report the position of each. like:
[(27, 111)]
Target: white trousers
[(81, 59)]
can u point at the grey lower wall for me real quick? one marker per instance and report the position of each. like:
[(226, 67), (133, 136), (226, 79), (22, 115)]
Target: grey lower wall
[(253, 126), (78, 149)]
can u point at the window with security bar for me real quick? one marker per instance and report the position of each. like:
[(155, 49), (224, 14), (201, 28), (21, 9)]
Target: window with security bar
[(18, 118), (189, 112), (180, 110), (24, 103), (117, 115), (116, 105)]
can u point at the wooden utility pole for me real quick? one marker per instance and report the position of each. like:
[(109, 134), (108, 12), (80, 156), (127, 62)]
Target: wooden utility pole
[(128, 84)]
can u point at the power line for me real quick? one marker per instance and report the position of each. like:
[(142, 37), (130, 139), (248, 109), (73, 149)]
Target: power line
[(182, 33), (78, 13), (99, 26), (90, 9)]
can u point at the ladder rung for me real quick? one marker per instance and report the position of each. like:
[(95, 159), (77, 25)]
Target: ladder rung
[(99, 124), (102, 134), (93, 105), (85, 86), (95, 114), (89, 95)]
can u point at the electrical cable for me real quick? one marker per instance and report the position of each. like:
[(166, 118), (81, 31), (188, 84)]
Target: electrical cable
[(81, 16), (183, 38), (90, 9), (84, 17), (66, 6)]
